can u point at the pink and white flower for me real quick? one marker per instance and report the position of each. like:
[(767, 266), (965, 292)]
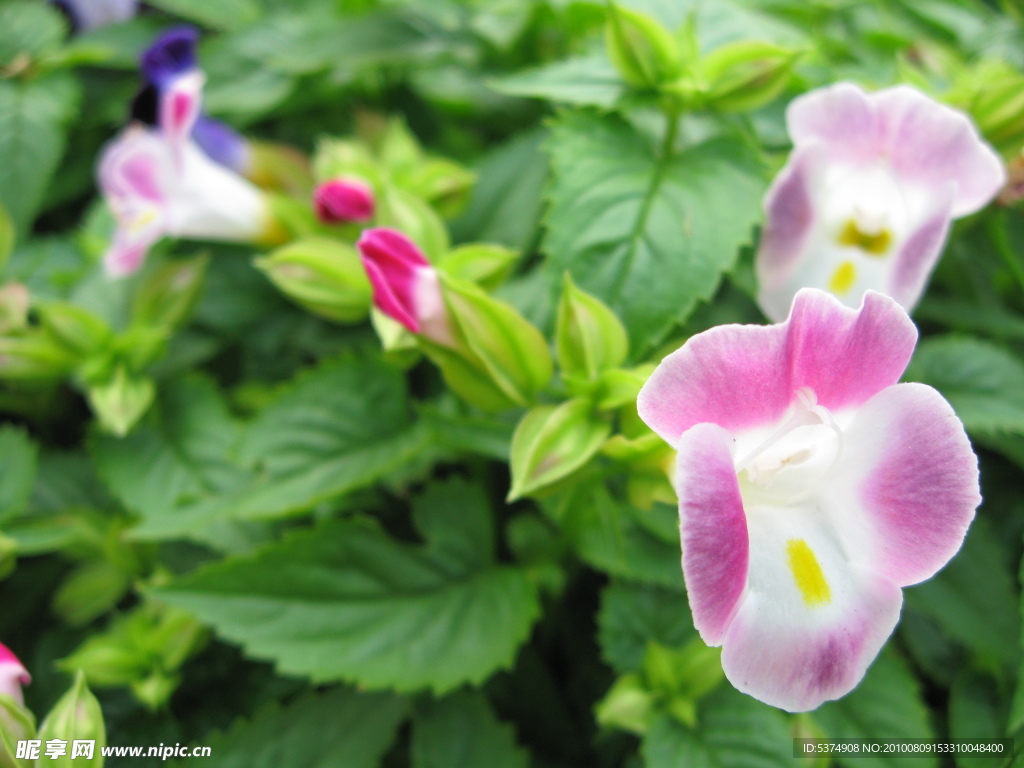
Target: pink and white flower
[(812, 487), (13, 675), (158, 183), (868, 194), (406, 287)]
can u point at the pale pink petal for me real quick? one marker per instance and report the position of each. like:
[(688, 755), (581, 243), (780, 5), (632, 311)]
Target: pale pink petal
[(793, 662), (789, 219), (128, 250), (713, 529), (810, 621), (907, 488), (847, 355), (840, 117), (921, 250), (180, 105), (131, 167), (931, 144), (746, 376)]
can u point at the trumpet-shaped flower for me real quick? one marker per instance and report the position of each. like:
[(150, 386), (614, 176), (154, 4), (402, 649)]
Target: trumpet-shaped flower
[(91, 14), (13, 674), (406, 287), (158, 182), (170, 64), (811, 487), (867, 196)]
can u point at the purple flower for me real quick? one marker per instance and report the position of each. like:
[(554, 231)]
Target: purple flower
[(91, 14), (867, 197), (812, 487)]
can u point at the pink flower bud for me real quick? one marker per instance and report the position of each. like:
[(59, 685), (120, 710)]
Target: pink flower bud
[(344, 200), (13, 674), (405, 285)]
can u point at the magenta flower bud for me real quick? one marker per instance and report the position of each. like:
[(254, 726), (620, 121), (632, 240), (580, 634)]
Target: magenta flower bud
[(405, 285), (344, 200), (13, 674)]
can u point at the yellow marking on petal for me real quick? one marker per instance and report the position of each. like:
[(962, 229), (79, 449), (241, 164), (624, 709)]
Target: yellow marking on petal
[(843, 278), (808, 575), (876, 244), (142, 220)]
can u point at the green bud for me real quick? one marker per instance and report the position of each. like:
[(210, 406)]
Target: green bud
[(8, 555), (468, 377), (34, 356), (324, 276), (643, 51), (441, 182), (16, 724), (627, 705), (394, 337), (121, 401), (91, 590), (497, 341), (399, 150), (154, 690), (485, 264), (409, 214), (742, 76), (168, 293), (339, 159), (551, 442), (589, 338), (14, 304), (684, 674), (79, 330), (76, 717), (279, 167)]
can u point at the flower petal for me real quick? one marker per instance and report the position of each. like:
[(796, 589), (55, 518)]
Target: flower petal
[(810, 622), (930, 144), (847, 355), (922, 248), (180, 104), (713, 529), (913, 476), (744, 376), (842, 118), (789, 220)]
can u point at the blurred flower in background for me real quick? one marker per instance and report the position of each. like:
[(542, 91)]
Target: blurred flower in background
[(868, 195), (91, 14), (13, 674)]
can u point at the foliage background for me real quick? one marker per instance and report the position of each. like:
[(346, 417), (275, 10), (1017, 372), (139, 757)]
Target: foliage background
[(302, 555)]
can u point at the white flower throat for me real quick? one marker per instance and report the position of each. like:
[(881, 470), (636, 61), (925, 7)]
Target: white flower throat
[(794, 460)]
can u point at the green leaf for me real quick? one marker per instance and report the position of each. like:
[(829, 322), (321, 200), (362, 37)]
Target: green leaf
[(344, 601), (17, 471), (735, 731), (224, 14), (649, 236), (613, 537), (887, 704), (183, 452), (341, 727), (591, 81), (6, 237), (632, 615), (982, 381), (505, 204), (32, 117), (339, 427), (460, 731), (28, 29), (976, 711), (976, 589)]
